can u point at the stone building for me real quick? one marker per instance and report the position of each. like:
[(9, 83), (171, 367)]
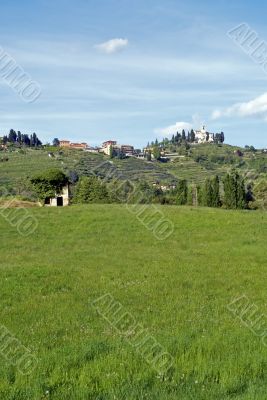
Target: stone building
[(60, 200)]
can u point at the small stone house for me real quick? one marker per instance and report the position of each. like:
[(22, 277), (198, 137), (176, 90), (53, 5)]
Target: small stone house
[(60, 200)]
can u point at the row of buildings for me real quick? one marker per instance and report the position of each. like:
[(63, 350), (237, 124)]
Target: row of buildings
[(110, 147), (69, 145)]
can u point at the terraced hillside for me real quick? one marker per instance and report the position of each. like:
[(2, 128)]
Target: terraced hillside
[(131, 169), (195, 165)]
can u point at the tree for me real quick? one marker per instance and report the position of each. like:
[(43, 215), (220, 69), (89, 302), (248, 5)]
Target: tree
[(111, 151), (183, 135), (156, 152), (35, 141), (207, 193), (49, 183), (165, 141), (234, 191), (192, 136), (19, 137), (241, 194), (55, 142), (12, 137), (91, 190), (216, 201), (181, 192)]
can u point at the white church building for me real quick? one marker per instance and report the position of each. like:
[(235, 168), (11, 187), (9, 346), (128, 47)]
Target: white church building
[(203, 136)]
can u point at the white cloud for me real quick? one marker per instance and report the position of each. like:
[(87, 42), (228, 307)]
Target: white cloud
[(254, 108), (196, 123), (172, 129), (112, 46)]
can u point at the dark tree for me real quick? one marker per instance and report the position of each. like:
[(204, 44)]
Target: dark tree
[(181, 192), (91, 190), (12, 137), (216, 201), (234, 191), (19, 137), (207, 193), (192, 136)]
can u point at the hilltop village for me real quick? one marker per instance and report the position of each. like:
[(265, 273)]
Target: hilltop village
[(154, 150)]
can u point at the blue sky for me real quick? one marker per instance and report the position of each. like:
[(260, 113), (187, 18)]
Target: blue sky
[(134, 70)]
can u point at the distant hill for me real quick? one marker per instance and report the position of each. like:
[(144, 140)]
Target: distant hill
[(194, 164)]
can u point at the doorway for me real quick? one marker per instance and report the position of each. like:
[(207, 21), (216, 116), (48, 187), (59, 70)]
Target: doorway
[(59, 201)]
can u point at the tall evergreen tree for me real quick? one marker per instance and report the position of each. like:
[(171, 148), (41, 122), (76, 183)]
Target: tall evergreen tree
[(55, 142), (91, 190), (182, 192), (192, 136), (234, 191), (19, 137), (207, 193), (216, 201), (12, 137)]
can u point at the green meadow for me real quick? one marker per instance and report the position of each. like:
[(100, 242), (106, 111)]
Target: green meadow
[(178, 289)]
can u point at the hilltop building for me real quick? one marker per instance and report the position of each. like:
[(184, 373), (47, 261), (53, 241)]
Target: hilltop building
[(67, 144), (112, 145), (109, 143), (202, 136)]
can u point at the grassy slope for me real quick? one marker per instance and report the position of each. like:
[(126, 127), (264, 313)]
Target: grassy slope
[(32, 161), (178, 289)]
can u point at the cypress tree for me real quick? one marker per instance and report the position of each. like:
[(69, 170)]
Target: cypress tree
[(216, 201), (234, 191), (182, 192), (207, 194)]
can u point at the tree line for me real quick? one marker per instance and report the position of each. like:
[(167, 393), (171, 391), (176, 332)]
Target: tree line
[(21, 139), (190, 137), (230, 192)]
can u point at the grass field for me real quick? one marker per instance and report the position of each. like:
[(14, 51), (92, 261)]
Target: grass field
[(177, 289)]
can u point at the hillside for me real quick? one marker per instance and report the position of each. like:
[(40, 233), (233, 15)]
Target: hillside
[(177, 289), (194, 165)]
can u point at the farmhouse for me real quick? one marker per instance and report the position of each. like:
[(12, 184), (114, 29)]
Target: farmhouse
[(60, 200)]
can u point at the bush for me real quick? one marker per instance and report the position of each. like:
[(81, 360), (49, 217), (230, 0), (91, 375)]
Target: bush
[(90, 190)]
